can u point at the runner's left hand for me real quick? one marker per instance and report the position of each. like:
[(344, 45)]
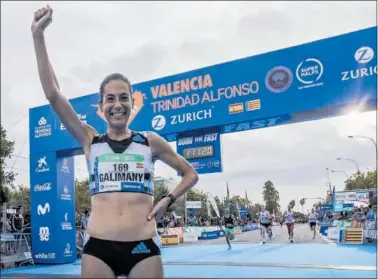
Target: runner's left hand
[(159, 210)]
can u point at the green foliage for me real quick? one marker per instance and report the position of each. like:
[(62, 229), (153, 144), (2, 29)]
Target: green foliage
[(362, 180), (271, 197), (20, 196), (6, 178), (82, 197), (317, 205), (299, 215), (292, 203), (254, 209)]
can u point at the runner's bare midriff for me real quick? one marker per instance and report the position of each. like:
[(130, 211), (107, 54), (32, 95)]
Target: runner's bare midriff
[(121, 217)]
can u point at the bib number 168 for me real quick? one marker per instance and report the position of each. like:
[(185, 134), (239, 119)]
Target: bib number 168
[(121, 167)]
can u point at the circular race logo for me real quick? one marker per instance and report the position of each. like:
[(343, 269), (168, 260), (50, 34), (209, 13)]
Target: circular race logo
[(364, 55), (278, 79), (158, 122), (309, 71)]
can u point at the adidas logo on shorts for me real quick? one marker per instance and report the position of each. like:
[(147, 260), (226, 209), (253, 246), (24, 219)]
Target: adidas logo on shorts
[(141, 248)]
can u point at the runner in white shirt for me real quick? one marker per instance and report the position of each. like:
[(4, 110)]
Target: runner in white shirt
[(290, 220), (265, 223), (312, 218)]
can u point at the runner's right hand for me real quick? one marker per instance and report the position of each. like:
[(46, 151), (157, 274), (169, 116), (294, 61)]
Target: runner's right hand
[(42, 18)]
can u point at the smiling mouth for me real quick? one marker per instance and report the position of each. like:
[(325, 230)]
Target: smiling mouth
[(117, 114)]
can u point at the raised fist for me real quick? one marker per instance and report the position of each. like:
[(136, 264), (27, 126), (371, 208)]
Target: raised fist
[(42, 19)]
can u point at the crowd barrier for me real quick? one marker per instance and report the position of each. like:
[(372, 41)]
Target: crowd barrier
[(175, 236), (349, 232)]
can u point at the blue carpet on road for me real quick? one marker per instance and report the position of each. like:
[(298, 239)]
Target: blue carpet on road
[(247, 261)]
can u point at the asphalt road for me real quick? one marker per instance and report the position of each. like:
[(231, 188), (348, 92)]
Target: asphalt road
[(302, 234)]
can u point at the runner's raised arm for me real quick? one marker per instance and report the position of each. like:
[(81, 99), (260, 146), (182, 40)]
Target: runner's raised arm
[(82, 132)]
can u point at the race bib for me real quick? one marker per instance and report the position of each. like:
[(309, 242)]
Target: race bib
[(120, 172)]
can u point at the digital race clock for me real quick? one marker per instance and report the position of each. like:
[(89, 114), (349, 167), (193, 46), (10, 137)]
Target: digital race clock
[(198, 152)]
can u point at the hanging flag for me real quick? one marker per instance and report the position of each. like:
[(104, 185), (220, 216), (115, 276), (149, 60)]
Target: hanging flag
[(208, 208), (213, 204), (238, 209), (228, 191)]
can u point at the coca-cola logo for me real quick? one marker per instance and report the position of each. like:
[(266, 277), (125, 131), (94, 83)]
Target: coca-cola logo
[(42, 188)]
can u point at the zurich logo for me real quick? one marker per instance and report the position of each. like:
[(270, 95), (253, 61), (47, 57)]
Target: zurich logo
[(158, 122), (364, 55)]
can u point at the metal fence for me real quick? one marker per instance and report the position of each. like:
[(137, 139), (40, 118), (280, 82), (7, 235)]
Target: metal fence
[(15, 243)]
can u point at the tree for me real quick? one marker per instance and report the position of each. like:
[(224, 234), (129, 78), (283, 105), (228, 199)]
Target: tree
[(254, 209), (299, 215), (6, 178), (362, 180), (292, 203), (20, 196), (160, 190), (271, 197), (82, 197), (317, 204)]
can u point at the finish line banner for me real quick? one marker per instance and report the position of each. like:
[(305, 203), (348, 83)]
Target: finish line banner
[(202, 150), (306, 82)]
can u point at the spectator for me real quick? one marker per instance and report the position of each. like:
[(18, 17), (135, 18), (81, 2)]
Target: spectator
[(84, 220), (18, 219)]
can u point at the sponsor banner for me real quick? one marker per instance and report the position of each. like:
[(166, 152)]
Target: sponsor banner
[(193, 204), (190, 237), (52, 209), (333, 233), (238, 95), (326, 207), (370, 230), (202, 149), (362, 196), (345, 197), (210, 235), (250, 227)]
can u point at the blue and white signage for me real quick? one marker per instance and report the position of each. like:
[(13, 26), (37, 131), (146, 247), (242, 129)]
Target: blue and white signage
[(52, 208), (202, 150), (306, 82)]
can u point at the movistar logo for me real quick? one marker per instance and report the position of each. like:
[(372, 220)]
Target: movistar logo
[(42, 210)]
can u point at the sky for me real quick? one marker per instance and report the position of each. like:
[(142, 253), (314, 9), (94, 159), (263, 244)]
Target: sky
[(148, 40)]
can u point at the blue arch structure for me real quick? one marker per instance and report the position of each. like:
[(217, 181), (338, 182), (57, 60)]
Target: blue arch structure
[(321, 79)]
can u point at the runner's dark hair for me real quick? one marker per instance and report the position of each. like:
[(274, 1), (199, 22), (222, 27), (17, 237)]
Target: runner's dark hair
[(114, 76)]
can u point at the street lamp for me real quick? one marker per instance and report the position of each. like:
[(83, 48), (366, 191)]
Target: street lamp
[(345, 159), (372, 140), (341, 172), (351, 137)]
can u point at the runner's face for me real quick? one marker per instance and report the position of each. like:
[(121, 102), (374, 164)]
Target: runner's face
[(117, 104)]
